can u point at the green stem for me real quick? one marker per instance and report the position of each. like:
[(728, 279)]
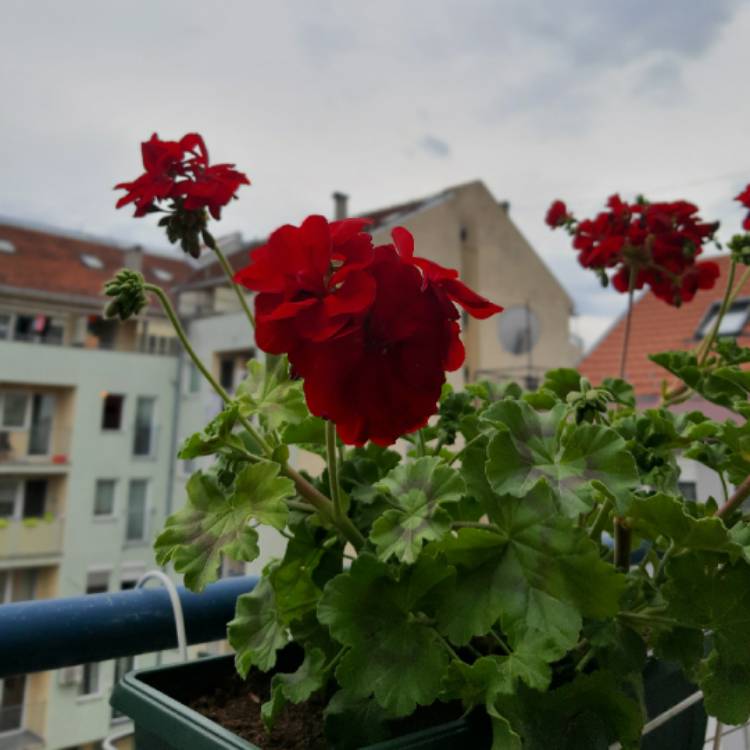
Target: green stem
[(333, 475), (585, 659), (421, 445), (595, 532), (477, 525), (447, 646), (663, 562), (317, 499), (229, 273), (648, 618), (500, 642), (463, 450), (628, 320), (739, 496), (705, 345)]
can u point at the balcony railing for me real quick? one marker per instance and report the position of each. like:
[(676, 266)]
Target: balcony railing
[(31, 538)]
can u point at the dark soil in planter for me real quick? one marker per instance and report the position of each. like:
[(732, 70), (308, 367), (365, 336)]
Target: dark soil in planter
[(235, 705)]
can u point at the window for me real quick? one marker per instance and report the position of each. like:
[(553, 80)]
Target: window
[(163, 275), (91, 261), (135, 528), (12, 694), (6, 320), (34, 498), (8, 495), (6, 246), (144, 428), (732, 323), (89, 684), (40, 434), (193, 378), (226, 372), (112, 411), (104, 497), (688, 490), (39, 328), (14, 408)]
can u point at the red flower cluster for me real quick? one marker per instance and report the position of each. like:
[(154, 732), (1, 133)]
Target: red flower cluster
[(744, 199), (658, 242), (179, 171), (371, 330)]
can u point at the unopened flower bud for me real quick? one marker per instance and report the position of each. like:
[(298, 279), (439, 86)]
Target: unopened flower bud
[(128, 295)]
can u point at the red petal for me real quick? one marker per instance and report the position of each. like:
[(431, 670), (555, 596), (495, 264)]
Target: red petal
[(474, 304), (404, 241)]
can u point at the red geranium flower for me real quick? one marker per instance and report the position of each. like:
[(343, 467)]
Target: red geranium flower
[(179, 170), (371, 331), (744, 199), (311, 282), (656, 243), (557, 214)]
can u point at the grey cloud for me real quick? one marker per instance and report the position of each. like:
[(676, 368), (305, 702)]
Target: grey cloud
[(435, 146)]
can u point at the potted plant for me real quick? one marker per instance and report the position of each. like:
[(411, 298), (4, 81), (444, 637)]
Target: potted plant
[(466, 575)]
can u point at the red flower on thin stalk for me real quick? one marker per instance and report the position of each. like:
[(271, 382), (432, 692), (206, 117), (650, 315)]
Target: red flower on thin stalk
[(744, 199), (371, 331), (179, 180), (654, 243)]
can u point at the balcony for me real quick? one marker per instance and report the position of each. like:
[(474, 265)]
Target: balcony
[(31, 539), (32, 452)]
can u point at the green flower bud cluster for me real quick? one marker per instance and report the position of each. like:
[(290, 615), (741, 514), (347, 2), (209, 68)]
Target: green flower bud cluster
[(128, 293)]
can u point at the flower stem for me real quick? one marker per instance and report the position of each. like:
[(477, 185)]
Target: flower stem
[(421, 445), (740, 494), (705, 346), (628, 320), (317, 499), (595, 532), (333, 474), (229, 273), (477, 525), (465, 448)]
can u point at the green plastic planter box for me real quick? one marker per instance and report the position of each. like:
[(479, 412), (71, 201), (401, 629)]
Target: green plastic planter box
[(152, 698)]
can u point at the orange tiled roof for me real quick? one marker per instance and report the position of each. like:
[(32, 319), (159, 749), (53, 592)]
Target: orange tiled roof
[(49, 262), (656, 327)]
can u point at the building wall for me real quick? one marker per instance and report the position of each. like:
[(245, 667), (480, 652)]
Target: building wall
[(96, 544), (468, 230)]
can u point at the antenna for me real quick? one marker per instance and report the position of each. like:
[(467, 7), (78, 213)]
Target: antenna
[(518, 329)]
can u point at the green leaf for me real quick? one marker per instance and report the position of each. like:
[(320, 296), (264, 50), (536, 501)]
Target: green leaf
[(264, 491), (295, 687), (210, 525), (213, 523), (309, 434), (530, 445), (662, 515), (352, 723), (215, 434), (621, 390), (562, 381), (273, 396), (538, 576), (704, 591), (257, 632), (418, 489), (375, 614)]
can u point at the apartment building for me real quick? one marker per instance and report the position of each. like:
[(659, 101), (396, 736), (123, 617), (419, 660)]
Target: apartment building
[(87, 411)]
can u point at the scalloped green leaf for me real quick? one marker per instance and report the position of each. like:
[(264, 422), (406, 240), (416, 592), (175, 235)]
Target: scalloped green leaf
[(295, 687), (418, 489), (273, 396), (215, 434), (539, 575), (664, 515), (213, 523), (571, 459), (257, 632), (377, 616)]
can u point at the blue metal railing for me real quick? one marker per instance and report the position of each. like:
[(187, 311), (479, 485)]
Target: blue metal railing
[(51, 633)]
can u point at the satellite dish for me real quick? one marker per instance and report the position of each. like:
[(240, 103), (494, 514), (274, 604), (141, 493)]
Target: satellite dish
[(519, 329)]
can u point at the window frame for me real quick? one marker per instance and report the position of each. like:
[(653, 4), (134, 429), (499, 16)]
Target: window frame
[(711, 314), (27, 411), (152, 428), (121, 426), (113, 513), (143, 539)]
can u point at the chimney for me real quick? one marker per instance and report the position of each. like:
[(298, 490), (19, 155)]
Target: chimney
[(340, 208), (133, 258), (505, 206)]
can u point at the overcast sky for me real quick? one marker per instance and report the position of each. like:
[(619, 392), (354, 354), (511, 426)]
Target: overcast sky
[(384, 100)]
